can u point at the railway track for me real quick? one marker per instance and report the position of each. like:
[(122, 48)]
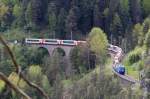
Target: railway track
[(117, 55)]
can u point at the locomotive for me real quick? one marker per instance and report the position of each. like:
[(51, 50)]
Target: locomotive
[(119, 68)]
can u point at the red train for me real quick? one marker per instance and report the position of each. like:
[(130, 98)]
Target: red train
[(53, 41)]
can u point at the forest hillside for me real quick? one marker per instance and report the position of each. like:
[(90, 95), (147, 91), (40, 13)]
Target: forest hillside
[(31, 72)]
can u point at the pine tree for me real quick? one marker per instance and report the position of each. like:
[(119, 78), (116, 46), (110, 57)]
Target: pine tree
[(113, 5), (72, 21), (123, 12), (28, 15), (19, 16), (36, 13), (52, 23), (135, 11), (61, 32), (86, 20), (147, 39), (146, 7), (98, 13), (116, 27)]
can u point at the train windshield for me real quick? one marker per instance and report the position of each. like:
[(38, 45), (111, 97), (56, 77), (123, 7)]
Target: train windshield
[(120, 65)]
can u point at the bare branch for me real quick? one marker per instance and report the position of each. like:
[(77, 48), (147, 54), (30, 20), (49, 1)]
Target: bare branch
[(34, 86), (11, 55), (11, 85), (18, 70)]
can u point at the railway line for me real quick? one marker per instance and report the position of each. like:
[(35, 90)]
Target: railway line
[(117, 56), (115, 52)]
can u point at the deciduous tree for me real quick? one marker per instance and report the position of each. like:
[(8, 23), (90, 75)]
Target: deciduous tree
[(98, 43)]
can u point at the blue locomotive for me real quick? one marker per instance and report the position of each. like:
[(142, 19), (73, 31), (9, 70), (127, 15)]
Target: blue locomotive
[(120, 69)]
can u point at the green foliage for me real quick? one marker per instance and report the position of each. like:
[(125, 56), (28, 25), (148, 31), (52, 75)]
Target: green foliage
[(2, 85), (138, 35), (76, 16), (17, 10), (135, 11), (35, 73), (147, 40), (146, 77), (52, 23), (15, 79), (28, 14), (97, 13), (72, 21), (52, 18), (98, 43), (146, 6), (5, 1), (60, 18), (15, 34), (61, 32), (133, 62), (116, 26), (54, 65), (3, 10), (134, 56), (139, 65), (146, 25), (147, 67), (124, 5), (95, 86), (79, 57), (45, 84)]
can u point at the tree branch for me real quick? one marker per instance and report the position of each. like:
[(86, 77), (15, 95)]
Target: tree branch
[(34, 86), (18, 70), (11, 85)]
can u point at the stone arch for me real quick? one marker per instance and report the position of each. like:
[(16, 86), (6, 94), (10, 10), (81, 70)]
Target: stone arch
[(59, 50), (44, 50), (40, 54), (67, 49), (51, 48)]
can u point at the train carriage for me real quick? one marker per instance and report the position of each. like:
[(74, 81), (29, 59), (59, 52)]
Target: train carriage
[(68, 42)]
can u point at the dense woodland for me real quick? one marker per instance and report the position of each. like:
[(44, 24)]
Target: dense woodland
[(87, 73)]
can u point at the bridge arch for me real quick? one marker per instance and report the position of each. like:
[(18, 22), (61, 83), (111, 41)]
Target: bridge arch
[(40, 54), (60, 51), (51, 48), (44, 51)]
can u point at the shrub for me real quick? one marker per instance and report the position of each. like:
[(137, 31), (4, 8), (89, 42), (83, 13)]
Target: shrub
[(2, 86), (133, 56)]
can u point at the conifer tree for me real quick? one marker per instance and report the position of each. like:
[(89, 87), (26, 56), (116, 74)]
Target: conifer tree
[(135, 11), (61, 32), (72, 21)]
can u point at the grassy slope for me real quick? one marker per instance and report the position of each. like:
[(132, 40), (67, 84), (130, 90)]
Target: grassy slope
[(130, 71)]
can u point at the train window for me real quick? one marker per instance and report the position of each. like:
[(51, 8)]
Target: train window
[(33, 40), (30, 40), (50, 40), (68, 41)]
